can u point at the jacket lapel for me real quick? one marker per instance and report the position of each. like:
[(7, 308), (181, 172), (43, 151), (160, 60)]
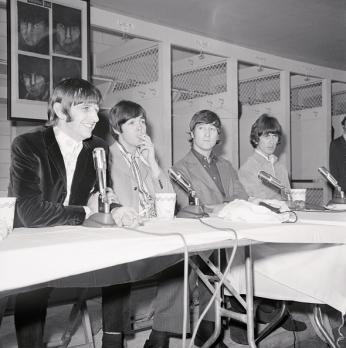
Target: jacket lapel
[(119, 161), (224, 175), (81, 166), (54, 153)]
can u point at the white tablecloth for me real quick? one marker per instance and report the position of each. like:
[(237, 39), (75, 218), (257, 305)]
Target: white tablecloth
[(32, 256), (313, 273), (291, 269)]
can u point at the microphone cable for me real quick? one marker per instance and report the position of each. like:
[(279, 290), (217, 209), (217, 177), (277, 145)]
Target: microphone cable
[(186, 270), (186, 267), (340, 334), (221, 282)]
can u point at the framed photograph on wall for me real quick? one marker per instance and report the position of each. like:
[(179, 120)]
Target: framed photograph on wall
[(47, 41)]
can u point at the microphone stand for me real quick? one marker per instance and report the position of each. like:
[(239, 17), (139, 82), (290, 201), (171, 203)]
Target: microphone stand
[(338, 194), (194, 209), (103, 218)]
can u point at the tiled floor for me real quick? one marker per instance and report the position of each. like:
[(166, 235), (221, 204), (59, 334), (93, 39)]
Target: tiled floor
[(58, 316)]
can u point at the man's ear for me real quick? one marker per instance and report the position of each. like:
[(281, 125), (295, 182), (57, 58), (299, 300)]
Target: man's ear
[(57, 107), (191, 134)]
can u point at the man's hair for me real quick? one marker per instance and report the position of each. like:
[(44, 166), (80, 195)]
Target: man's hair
[(121, 113), (206, 117), (32, 14), (264, 125), (66, 16), (70, 92), (343, 121)]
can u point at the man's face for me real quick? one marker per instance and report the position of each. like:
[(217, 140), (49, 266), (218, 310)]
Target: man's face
[(205, 136), (267, 143), (68, 36), (32, 33), (132, 132), (83, 121), (35, 85)]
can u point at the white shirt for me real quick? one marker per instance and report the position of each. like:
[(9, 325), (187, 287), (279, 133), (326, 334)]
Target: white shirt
[(70, 150)]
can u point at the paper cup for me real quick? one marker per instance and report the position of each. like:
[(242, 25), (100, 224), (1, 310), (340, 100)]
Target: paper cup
[(298, 194), (7, 206), (165, 205), (298, 198)]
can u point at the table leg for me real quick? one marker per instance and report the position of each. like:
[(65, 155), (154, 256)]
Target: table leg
[(249, 296)]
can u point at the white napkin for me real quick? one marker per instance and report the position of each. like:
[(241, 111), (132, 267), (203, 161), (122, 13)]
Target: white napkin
[(244, 211)]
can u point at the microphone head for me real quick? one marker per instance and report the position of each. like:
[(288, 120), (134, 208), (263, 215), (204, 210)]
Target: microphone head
[(323, 171), (269, 179), (99, 156), (328, 176), (100, 164), (179, 179)]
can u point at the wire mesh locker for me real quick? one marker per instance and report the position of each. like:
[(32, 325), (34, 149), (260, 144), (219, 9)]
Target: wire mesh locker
[(308, 134), (134, 72), (259, 93), (200, 82)]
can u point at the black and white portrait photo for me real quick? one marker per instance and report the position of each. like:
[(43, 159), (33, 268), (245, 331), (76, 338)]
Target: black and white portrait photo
[(64, 68), (33, 28), (67, 31), (33, 76)]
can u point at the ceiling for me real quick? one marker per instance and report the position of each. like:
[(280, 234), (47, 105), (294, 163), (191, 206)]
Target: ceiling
[(313, 31)]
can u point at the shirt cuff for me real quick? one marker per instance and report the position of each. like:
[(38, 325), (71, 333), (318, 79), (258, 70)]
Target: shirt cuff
[(87, 212)]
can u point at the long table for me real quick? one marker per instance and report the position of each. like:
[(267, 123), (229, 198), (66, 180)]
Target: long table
[(74, 256), (47, 255), (32, 256)]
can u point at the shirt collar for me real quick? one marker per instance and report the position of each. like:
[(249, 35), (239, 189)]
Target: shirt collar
[(212, 157), (271, 158), (66, 144), (129, 156)]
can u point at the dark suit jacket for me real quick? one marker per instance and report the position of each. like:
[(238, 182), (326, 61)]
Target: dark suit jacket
[(337, 161), (38, 180)]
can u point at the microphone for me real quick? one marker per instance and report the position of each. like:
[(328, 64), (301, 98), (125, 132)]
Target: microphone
[(180, 180), (101, 218), (100, 165), (327, 175), (270, 180), (330, 178), (193, 210)]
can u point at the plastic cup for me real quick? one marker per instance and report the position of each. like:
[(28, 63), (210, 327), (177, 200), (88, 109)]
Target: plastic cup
[(165, 205), (7, 207)]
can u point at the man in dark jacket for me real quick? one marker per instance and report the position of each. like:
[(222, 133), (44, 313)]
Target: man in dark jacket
[(337, 158), (52, 176)]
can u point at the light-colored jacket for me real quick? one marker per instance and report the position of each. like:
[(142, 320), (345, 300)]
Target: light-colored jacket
[(124, 183), (248, 176), (205, 187)]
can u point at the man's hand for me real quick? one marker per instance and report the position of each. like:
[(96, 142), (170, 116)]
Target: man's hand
[(147, 150), (214, 209), (126, 217)]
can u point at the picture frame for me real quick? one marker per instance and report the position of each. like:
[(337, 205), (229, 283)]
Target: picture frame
[(47, 42)]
